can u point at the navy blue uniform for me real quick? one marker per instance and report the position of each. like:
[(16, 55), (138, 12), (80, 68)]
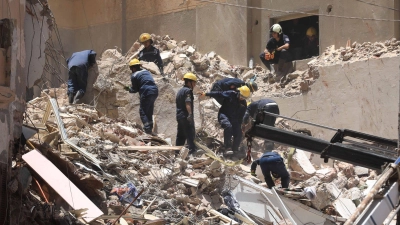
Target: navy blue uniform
[(152, 54), (225, 85), (230, 116), (78, 65), (186, 129), (272, 45), (267, 105), (143, 82), (272, 162)]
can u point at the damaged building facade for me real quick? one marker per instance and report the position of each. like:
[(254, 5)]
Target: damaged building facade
[(236, 29), (24, 30)]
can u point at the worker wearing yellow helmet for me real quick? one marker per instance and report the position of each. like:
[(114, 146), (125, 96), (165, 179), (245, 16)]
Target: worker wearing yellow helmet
[(150, 53), (311, 44), (230, 115), (143, 82), (184, 113), (253, 109), (276, 49)]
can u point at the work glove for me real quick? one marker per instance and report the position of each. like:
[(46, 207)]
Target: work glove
[(253, 173), (201, 94), (190, 118)]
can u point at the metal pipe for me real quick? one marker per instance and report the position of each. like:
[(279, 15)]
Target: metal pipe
[(379, 183), (301, 121)]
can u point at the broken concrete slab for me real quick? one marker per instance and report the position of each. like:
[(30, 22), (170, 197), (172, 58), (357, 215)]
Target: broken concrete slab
[(345, 207), (361, 171), (301, 163)]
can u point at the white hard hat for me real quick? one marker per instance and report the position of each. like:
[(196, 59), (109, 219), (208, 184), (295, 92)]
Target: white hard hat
[(276, 28)]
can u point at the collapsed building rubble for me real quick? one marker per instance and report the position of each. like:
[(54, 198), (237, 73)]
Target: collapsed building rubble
[(103, 151)]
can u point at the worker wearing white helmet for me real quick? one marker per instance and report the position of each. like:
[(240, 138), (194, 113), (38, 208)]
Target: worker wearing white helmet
[(276, 49)]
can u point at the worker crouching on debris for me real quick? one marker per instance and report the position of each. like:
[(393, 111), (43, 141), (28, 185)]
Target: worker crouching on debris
[(272, 162), (78, 65), (227, 84), (255, 110), (276, 50), (184, 113), (230, 115), (150, 53), (143, 82)]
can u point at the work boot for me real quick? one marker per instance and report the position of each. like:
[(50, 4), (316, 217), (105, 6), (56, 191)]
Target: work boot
[(78, 96), (228, 151), (70, 98)]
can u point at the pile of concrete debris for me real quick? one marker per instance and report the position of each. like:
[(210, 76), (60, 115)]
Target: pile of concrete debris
[(358, 52), (81, 159)]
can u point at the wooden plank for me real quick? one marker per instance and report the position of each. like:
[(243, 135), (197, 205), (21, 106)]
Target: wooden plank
[(61, 184), (157, 148)]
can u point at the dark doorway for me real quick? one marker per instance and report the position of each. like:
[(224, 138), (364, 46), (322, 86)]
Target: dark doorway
[(304, 36)]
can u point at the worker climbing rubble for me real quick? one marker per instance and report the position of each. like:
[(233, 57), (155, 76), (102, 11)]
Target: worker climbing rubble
[(276, 50), (184, 113), (227, 84), (231, 114), (143, 82), (78, 65), (150, 53), (267, 105), (272, 162)]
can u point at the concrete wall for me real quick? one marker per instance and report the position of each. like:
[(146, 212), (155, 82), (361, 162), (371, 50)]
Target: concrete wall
[(361, 96), (235, 33), (100, 25)]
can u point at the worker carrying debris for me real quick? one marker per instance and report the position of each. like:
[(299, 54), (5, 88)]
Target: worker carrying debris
[(78, 65), (184, 113), (276, 50), (150, 53), (230, 115), (143, 82), (227, 84), (272, 162), (253, 109)]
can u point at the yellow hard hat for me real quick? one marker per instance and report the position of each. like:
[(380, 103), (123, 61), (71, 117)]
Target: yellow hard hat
[(244, 91), (134, 62), (144, 37), (190, 76), (311, 32)]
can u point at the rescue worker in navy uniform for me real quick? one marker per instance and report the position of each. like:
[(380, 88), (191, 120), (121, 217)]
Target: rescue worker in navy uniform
[(271, 162), (143, 82), (276, 49), (230, 115), (227, 84), (150, 53), (252, 110), (78, 65), (184, 113)]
